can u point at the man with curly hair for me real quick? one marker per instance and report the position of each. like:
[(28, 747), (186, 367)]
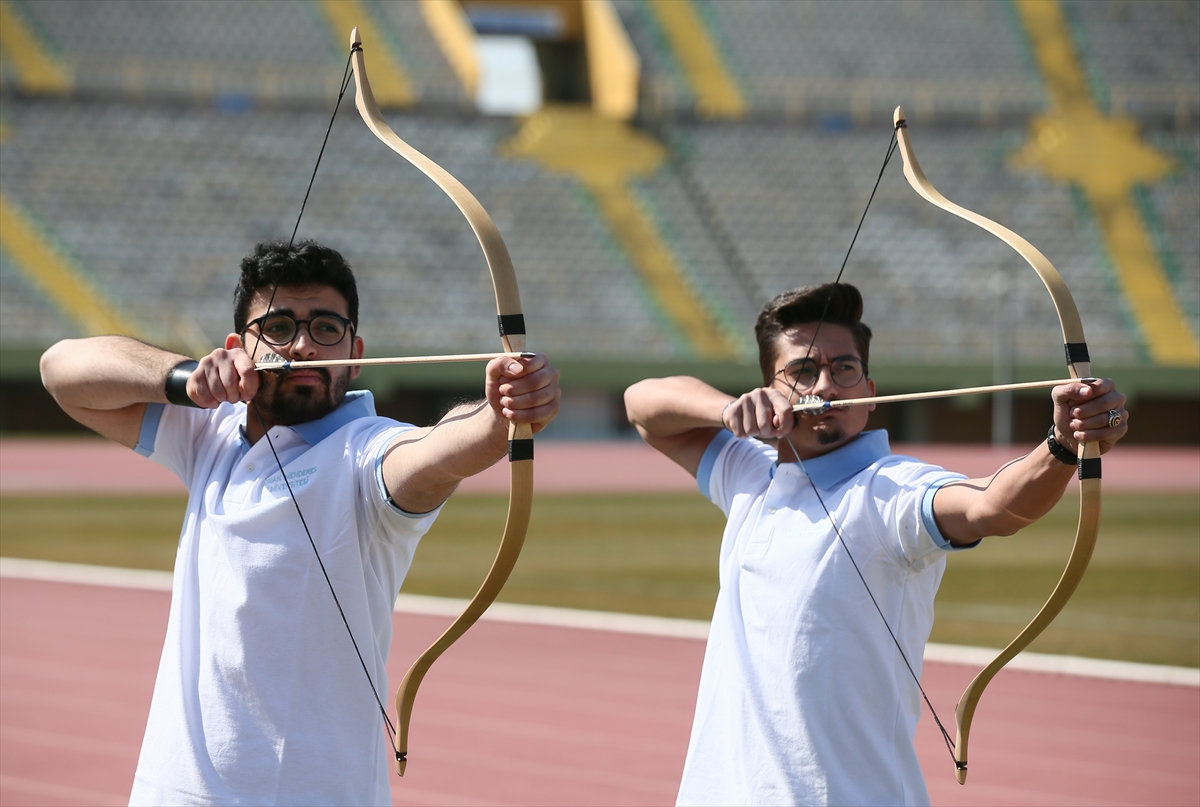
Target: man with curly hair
[(260, 698)]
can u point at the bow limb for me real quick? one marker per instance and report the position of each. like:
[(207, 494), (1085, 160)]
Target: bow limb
[(1089, 453), (520, 436)]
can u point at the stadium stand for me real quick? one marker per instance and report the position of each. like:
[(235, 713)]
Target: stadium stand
[(1139, 80), (150, 144), (803, 59), (161, 204), (792, 199)]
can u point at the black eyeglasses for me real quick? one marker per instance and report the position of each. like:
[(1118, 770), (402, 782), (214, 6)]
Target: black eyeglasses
[(281, 329), (802, 375)]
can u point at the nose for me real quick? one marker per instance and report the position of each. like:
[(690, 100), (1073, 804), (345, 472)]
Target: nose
[(303, 346), (824, 385)]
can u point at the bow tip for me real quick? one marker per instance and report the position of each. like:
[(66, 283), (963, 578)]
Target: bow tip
[(401, 763), (356, 42), (961, 773), (898, 116)]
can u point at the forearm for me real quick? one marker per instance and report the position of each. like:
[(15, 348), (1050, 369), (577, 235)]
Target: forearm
[(1014, 497), (105, 373), (668, 407), (422, 469), (467, 440)]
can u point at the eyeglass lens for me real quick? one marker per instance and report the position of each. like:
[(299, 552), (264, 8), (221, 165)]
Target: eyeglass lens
[(804, 374), (280, 329)]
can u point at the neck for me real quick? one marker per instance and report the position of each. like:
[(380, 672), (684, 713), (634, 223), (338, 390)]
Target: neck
[(257, 424), (788, 451)]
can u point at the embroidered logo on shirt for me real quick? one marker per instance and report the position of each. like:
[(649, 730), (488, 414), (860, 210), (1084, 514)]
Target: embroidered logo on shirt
[(297, 480)]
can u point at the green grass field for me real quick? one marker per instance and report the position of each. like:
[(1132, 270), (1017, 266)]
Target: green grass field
[(657, 554)]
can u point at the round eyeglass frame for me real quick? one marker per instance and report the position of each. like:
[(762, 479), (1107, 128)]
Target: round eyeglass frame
[(833, 376), (347, 326)]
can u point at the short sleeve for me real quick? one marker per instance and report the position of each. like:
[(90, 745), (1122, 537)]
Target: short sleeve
[(903, 493), (731, 466), (396, 519), (931, 522), (172, 436)]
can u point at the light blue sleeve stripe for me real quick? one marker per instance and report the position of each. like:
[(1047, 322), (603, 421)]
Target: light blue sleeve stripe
[(150, 421), (931, 524), (704, 472), (383, 491)]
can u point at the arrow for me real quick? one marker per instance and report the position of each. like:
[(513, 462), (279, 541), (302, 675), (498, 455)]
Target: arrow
[(273, 361), (814, 404)]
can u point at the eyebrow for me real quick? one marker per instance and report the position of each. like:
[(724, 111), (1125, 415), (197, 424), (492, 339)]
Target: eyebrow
[(315, 312), (835, 358)]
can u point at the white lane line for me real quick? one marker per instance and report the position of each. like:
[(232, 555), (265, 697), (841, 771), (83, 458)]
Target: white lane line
[(56, 572), (621, 623)]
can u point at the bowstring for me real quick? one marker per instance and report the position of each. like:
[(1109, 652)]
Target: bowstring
[(391, 729), (846, 259), (892, 146), (875, 602)]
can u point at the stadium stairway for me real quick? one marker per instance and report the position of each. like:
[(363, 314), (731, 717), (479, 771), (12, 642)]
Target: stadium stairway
[(50, 269), (603, 155), (1105, 158), (39, 70), (717, 93), (389, 81)]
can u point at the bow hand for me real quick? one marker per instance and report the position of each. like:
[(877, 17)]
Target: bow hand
[(227, 375), (1089, 413), (524, 389)]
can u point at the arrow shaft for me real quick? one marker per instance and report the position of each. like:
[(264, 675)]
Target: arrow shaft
[(454, 357), (945, 393)]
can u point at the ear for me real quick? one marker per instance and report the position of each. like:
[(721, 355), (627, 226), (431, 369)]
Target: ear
[(871, 389), (357, 348), (233, 341)]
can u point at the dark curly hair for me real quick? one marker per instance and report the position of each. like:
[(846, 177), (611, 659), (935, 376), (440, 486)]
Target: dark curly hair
[(832, 303), (272, 263)]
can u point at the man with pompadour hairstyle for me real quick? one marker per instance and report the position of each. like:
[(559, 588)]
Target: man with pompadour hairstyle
[(804, 696)]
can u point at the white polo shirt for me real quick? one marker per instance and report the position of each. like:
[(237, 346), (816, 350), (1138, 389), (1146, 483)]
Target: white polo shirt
[(804, 698), (260, 698)]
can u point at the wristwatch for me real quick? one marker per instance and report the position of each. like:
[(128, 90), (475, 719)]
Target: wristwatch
[(1059, 451)]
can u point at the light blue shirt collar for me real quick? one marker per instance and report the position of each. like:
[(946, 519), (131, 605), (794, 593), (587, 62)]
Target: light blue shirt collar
[(357, 404), (829, 469)]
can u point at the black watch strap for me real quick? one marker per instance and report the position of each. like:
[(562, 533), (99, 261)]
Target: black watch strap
[(1059, 451), (176, 387)]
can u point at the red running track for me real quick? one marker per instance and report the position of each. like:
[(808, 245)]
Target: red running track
[(526, 714), (96, 466)]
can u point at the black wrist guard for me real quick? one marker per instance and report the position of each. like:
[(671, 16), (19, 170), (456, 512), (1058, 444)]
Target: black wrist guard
[(1060, 451), (176, 387)]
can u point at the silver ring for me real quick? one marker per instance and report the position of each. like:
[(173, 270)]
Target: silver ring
[(1114, 418)]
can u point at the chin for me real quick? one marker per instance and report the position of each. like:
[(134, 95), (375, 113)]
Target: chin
[(302, 404), (300, 407), (828, 437)]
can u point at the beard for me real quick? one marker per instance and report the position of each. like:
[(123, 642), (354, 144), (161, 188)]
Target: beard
[(831, 435), (288, 405)]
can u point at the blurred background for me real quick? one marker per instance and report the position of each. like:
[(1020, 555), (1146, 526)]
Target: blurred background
[(658, 169)]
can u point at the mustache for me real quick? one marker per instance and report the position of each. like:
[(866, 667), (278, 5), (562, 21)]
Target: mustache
[(321, 371)]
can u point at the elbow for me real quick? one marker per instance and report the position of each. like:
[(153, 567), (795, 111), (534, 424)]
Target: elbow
[(632, 400), (50, 366)]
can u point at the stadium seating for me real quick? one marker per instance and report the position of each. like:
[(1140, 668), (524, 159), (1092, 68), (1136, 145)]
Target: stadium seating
[(191, 128), (160, 205), (811, 58)]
